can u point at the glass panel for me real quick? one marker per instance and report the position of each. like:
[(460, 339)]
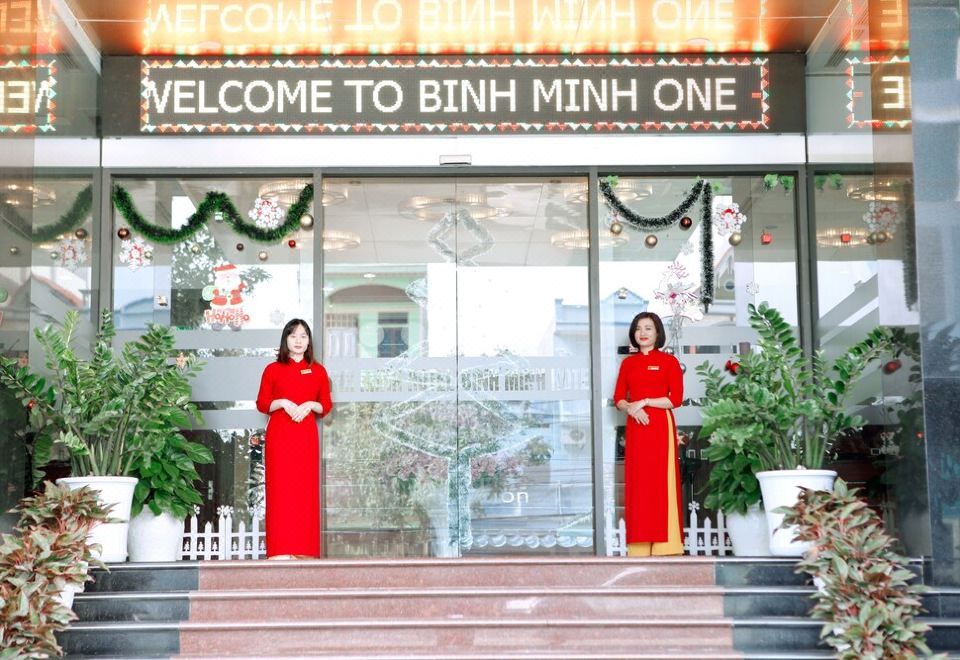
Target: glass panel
[(866, 278), (390, 349), (46, 271), (456, 339), (228, 298), (661, 272), (524, 367)]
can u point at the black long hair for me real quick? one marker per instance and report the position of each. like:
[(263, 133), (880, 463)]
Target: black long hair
[(657, 324), (283, 355)]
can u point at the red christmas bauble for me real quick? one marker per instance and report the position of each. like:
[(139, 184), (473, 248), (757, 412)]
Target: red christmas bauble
[(292, 243), (892, 366), (766, 238), (732, 367), (686, 222), (31, 403), (123, 233)]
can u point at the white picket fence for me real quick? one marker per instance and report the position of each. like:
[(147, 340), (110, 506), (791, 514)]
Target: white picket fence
[(219, 540)]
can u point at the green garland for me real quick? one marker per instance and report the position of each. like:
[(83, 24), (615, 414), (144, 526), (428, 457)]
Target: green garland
[(701, 190), (73, 218), (213, 202)]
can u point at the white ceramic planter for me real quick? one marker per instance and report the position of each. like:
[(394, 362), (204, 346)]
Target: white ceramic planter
[(782, 488), (117, 491), (748, 532), (155, 538)]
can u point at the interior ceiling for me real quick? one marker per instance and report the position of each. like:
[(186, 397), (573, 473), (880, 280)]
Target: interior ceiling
[(121, 27)]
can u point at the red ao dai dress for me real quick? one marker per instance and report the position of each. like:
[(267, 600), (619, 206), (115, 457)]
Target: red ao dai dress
[(652, 498), (293, 457)]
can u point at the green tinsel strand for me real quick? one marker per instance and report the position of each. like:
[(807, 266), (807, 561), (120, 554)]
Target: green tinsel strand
[(650, 224), (706, 248), (73, 218), (213, 202), (701, 190)]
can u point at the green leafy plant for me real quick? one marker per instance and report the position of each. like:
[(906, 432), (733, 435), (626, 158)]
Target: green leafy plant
[(732, 486), (866, 595), (166, 479), (785, 409), (48, 555), (110, 410)]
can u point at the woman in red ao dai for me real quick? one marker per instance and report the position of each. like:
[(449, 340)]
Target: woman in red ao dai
[(649, 387)]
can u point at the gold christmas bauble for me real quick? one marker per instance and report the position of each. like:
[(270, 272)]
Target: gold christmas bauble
[(736, 238), (616, 228), (306, 221), (651, 240), (263, 255)]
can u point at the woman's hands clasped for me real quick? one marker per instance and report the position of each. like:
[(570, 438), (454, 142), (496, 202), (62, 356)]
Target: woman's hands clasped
[(299, 413), (636, 410)]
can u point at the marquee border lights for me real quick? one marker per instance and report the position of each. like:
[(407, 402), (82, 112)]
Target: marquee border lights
[(853, 93), (469, 62), (703, 191), (213, 202), (51, 81)]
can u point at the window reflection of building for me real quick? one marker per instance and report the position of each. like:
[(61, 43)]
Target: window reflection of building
[(392, 330)]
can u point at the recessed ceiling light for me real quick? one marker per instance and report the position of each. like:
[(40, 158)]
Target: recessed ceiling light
[(369, 276)]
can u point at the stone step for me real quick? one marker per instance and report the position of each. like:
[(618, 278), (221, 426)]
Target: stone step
[(585, 604), (771, 571), (452, 573), (111, 639), (146, 577), (465, 635), (238, 605), (489, 638), (132, 606), (798, 633)]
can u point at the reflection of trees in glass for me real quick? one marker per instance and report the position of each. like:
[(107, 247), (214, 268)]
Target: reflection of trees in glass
[(483, 440), (192, 264), (396, 463), (902, 450)]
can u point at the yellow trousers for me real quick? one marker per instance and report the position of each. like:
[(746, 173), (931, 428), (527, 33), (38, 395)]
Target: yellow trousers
[(674, 544)]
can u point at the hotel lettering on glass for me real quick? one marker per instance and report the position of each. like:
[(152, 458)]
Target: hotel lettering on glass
[(456, 94)]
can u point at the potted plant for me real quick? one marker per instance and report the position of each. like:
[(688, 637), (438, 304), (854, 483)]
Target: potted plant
[(108, 411), (165, 493), (866, 593), (786, 409), (43, 565), (732, 488)]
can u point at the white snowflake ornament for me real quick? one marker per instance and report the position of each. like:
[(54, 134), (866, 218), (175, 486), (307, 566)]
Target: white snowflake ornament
[(882, 216), (728, 219), (135, 253), (72, 253), (266, 214)]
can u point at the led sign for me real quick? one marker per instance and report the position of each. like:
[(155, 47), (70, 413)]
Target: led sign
[(27, 26), (446, 26), (878, 91), (27, 89), (487, 95)]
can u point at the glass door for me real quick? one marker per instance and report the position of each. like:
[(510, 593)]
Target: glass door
[(456, 337)]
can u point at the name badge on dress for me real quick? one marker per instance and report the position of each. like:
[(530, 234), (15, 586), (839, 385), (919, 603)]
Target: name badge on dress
[(306, 371), (653, 367)]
